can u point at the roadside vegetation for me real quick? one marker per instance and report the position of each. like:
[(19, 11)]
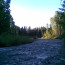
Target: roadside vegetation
[(57, 26), (13, 40)]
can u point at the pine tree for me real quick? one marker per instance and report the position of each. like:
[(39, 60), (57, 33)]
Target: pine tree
[(4, 16), (62, 16)]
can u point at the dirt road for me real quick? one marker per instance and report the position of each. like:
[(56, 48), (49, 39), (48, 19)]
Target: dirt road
[(40, 52)]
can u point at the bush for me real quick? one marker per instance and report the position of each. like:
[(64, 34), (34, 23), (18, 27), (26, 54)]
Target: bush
[(11, 40), (47, 35)]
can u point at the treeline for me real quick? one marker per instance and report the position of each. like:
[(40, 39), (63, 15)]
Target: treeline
[(58, 22), (57, 28), (10, 34), (6, 20), (7, 25), (24, 31)]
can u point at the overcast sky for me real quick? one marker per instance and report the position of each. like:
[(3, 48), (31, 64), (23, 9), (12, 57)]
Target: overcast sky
[(34, 13)]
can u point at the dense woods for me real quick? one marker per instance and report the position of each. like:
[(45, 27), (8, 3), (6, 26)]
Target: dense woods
[(58, 21), (10, 34)]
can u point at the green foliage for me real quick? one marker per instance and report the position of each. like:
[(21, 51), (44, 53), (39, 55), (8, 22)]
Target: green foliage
[(56, 27), (47, 35), (4, 16), (11, 40), (58, 22), (61, 14)]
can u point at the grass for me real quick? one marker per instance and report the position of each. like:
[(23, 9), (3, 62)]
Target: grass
[(49, 37), (13, 40)]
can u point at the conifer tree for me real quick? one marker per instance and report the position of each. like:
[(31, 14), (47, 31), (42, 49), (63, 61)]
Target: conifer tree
[(4, 16)]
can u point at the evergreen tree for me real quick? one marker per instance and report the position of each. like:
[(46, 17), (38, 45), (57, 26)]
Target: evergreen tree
[(62, 17), (4, 16), (56, 27)]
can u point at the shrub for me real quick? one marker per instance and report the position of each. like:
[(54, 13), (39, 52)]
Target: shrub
[(11, 40)]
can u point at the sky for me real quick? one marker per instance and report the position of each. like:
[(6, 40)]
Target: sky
[(33, 13)]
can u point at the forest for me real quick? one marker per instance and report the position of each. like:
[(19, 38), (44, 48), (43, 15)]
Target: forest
[(10, 34)]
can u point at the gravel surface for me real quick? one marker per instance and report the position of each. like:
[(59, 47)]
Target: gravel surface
[(40, 52)]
